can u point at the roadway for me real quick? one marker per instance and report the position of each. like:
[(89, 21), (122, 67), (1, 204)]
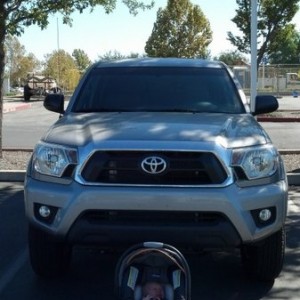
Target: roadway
[(23, 128)]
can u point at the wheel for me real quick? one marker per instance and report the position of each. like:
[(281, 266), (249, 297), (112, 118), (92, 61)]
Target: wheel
[(26, 97), (264, 260), (49, 257)]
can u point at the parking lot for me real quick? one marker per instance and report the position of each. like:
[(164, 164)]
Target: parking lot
[(214, 275)]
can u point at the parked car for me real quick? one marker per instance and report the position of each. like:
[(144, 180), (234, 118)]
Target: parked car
[(157, 149), (17, 90)]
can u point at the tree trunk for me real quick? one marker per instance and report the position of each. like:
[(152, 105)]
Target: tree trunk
[(2, 65)]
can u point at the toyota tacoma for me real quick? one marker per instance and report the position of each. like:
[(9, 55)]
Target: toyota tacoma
[(157, 149)]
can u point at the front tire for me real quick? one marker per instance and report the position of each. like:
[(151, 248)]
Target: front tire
[(26, 97), (49, 258), (264, 260)]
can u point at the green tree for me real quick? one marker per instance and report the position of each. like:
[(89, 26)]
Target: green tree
[(286, 49), (273, 17), (231, 58), (113, 55), (181, 30), (26, 64), (82, 60), (61, 66), (18, 62), (15, 15)]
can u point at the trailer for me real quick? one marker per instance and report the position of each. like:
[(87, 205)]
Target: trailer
[(38, 85)]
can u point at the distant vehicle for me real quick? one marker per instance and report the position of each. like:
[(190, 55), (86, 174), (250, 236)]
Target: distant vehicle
[(38, 85), (286, 82), (292, 81), (289, 81), (17, 90)]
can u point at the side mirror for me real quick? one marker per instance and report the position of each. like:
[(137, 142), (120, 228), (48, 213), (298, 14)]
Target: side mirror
[(55, 103), (265, 104)]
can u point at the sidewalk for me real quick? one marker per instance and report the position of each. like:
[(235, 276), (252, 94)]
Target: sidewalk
[(14, 106), (14, 103)]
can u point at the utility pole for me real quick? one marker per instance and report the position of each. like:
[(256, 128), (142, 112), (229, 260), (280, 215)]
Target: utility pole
[(58, 54), (253, 88)]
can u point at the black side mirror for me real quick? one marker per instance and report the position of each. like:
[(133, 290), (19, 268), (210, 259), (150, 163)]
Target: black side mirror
[(265, 104), (55, 103)]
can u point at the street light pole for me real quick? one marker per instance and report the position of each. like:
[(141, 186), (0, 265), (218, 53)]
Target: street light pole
[(253, 54), (58, 49)]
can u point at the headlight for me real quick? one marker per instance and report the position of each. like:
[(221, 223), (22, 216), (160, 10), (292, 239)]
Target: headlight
[(50, 159), (257, 162)]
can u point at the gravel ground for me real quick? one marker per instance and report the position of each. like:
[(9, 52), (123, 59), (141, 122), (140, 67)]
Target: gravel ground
[(17, 160), (14, 160)]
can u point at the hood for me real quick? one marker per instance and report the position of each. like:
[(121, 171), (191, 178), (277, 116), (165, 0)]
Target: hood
[(99, 129)]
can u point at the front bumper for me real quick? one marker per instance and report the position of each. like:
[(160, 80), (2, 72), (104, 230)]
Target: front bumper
[(112, 216)]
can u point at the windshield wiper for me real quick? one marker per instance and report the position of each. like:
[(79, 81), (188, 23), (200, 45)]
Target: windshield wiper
[(183, 110), (91, 110)]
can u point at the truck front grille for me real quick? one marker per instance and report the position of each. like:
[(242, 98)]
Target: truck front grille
[(125, 167), (151, 217)]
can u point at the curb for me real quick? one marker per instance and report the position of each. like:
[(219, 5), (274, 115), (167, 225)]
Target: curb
[(11, 107), (279, 119), (12, 175), (19, 176), (293, 178)]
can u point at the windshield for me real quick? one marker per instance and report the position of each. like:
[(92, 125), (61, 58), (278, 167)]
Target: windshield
[(159, 89)]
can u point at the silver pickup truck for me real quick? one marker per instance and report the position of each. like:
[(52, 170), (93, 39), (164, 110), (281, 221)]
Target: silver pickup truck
[(157, 149)]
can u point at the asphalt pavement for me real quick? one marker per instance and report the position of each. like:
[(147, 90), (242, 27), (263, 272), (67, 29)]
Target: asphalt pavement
[(214, 275)]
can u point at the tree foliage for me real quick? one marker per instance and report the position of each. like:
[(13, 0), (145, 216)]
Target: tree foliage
[(61, 66), (15, 15), (286, 48), (113, 55), (273, 17), (22, 13), (181, 30), (232, 58), (18, 62), (82, 60)]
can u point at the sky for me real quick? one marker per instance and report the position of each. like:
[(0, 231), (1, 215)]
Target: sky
[(98, 33)]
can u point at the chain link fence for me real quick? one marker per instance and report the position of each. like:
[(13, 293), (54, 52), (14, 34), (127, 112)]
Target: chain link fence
[(276, 79)]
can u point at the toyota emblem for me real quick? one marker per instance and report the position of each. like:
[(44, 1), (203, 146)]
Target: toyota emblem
[(154, 165)]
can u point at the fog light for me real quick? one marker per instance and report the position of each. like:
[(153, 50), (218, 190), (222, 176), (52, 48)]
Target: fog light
[(265, 215), (44, 211)]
